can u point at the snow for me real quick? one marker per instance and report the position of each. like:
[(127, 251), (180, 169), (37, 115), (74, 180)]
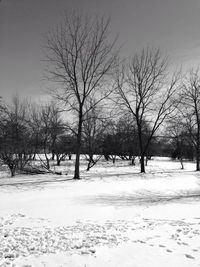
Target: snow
[(113, 217)]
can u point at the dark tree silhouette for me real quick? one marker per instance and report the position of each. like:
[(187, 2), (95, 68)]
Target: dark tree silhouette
[(189, 108), (14, 135), (145, 92), (81, 58)]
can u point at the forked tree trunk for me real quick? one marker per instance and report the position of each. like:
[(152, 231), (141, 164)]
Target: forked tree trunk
[(90, 162), (47, 163), (12, 168)]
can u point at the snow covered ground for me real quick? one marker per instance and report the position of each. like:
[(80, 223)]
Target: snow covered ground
[(113, 217)]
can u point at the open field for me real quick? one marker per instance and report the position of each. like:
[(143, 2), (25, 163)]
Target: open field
[(113, 217)]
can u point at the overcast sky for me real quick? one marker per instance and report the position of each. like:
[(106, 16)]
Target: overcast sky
[(173, 25)]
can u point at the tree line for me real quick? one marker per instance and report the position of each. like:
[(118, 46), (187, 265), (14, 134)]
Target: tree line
[(33, 136), (108, 106)]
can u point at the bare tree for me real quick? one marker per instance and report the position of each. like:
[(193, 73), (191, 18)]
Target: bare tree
[(64, 146), (145, 92), (180, 142), (34, 122), (94, 126), (51, 127), (189, 108), (14, 135), (81, 59)]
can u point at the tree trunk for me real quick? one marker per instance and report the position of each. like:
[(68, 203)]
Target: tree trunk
[(53, 155), (47, 161), (197, 158), (78, 148), (77, 163), (58, 159), (198, 146), (106, 156), (142, 165), (12, 171), (88, 167), (181, 161), (133, 161)]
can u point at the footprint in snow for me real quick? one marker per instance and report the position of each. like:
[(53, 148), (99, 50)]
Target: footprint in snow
[(156, 235), (189, 256), (139, 241)]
